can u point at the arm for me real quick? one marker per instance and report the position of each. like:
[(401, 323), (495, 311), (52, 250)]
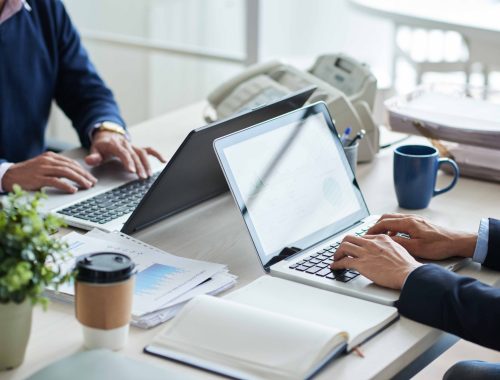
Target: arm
[(431, 294), (492, 259), (79, 91), (460, 305)]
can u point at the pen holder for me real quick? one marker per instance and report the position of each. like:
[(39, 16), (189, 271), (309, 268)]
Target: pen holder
[(351, 153)]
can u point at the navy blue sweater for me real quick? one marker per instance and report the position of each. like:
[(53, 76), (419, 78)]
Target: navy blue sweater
[(41, 59)]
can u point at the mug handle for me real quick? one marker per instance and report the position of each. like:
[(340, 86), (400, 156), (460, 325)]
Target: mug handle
[(456, 170)]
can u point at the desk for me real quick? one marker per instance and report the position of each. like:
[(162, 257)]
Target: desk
[(214, 231)]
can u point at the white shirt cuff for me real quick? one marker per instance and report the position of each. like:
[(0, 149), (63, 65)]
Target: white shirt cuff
[(482, 241), (3, 168)]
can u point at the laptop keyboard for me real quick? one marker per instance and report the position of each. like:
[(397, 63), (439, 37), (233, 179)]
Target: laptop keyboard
[(318, 264), (112, 204)]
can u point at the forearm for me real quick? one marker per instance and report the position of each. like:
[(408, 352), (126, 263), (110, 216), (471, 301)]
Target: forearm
[(456, 304)]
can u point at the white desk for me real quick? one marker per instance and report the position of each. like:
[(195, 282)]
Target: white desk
[(476, 20), (215, 231)]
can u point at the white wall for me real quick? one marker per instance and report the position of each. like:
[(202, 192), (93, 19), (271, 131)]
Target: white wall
[(149, 84)]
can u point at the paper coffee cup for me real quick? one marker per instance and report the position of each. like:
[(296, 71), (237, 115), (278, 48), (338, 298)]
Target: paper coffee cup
[(104, 290)]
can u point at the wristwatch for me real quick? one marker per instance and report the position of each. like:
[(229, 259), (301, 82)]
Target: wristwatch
[(110, 127)]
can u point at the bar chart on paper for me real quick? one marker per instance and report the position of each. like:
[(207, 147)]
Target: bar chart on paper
[(153, 278)]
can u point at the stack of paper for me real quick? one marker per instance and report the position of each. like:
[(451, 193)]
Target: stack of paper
[(164, 282), (450, 116)]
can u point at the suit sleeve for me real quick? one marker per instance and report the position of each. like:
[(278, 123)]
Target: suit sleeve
[(492, 259), (460, 305), (80, 92)]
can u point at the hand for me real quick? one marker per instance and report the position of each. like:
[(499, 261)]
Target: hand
[(107, 144), (427, 241), (376, 257), (48, 169)]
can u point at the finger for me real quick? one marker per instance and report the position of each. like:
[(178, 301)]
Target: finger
[(357, 240), (139, 168), (155, 153), (94, 158), (391, 224), (82, 171), (59, 184), (345, 263), (143, 156), (64, 172), (124, 157), (348, 249)]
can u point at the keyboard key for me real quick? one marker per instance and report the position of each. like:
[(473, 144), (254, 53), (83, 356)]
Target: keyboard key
[(339, 272), (313, 270), (350, 275), (322, 265), (331, 276), (323, 272), (314, 261), (328, 261), (343, 278), (308, 265), (301, 268)]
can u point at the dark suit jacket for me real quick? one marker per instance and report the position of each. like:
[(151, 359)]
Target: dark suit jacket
[(460, 305)]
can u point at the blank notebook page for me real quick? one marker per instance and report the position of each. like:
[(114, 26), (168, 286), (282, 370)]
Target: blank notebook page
[(253, 341)]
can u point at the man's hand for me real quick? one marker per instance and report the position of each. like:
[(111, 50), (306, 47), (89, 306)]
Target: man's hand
[(107, 144), (48, 169), (427, 240), (376, 257)]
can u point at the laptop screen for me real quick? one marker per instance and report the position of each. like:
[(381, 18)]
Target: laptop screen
[(291, 181)]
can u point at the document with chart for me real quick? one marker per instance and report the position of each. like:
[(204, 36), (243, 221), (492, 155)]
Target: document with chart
[(163, 280)]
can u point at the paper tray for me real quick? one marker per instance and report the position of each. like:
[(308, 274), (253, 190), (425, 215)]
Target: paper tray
[(464, 114)]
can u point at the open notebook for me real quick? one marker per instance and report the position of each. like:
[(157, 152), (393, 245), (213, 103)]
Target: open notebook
[(271, 328)]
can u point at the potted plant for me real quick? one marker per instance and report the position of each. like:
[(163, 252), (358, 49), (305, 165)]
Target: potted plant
[(28, 263)]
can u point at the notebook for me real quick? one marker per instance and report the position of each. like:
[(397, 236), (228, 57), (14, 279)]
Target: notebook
[(271, 328)]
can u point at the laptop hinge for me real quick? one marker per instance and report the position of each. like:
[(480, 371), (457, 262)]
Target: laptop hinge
[(285, 253)]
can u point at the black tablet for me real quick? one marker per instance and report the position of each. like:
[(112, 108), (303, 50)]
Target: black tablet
[(193, 174)]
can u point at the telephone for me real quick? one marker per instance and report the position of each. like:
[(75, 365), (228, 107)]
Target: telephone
[(346, 86)]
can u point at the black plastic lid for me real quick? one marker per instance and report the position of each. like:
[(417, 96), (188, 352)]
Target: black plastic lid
[(104, 267)]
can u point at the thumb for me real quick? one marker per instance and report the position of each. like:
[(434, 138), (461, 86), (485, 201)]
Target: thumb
[(94, 158)]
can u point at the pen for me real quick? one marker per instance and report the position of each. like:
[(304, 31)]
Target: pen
[(345, 136), (358, 136)]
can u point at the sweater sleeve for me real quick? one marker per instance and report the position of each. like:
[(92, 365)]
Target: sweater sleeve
[(460, 305), (80, 92)]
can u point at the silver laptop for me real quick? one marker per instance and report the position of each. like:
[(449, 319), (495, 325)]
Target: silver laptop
[(299, 197)]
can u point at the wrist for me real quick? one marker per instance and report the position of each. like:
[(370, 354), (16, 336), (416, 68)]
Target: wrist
[(110, 128), (464, 244), (7, 176), (407, 271)]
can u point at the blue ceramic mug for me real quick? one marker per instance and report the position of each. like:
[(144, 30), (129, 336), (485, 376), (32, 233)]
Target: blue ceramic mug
[(415, 172)]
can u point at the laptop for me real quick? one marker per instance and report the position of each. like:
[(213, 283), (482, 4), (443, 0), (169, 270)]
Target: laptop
[(121, 202), (298, 197)]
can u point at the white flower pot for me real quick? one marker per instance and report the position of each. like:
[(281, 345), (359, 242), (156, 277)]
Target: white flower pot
[(15, 328)]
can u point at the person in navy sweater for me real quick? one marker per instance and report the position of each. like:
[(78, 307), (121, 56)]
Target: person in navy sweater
[(42, 59), (429, 293)]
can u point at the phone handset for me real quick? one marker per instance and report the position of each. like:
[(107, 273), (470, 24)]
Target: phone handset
[(347, 88)]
